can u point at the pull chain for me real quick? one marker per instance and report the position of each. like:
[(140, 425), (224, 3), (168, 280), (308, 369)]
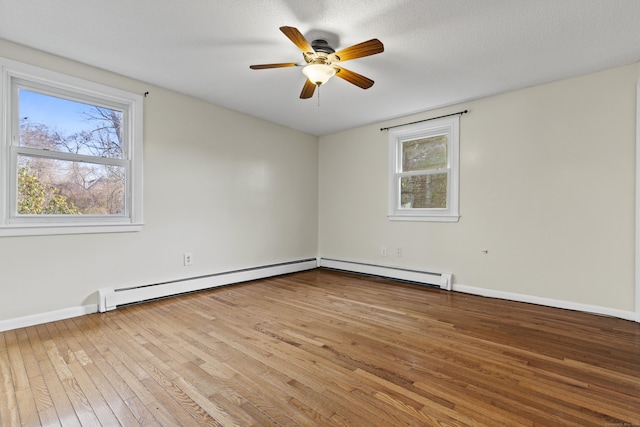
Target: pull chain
[(319, 96)]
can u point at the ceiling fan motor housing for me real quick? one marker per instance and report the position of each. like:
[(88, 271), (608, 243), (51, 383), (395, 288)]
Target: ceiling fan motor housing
[(320, 45)]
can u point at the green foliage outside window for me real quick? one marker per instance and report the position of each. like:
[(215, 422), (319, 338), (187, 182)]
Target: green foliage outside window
[(36, 198)]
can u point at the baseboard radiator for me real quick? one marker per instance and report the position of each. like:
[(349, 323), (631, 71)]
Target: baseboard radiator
[(110, 298), (441, 280)]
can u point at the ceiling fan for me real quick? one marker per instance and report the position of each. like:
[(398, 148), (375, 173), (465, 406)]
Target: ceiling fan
[(321, 61)]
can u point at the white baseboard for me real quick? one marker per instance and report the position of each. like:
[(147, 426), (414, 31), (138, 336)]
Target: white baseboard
[(445, 282), (110, 298), (549, 302), (227, 278), (51, 316), (442, 280), (160, 290)]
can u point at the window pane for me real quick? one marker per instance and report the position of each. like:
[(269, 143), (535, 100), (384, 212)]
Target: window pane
[(57, 124), (423, 191), (61, 187), (424, 154)]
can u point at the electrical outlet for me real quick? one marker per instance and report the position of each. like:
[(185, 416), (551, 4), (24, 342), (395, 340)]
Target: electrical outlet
[(383, 251), (399, 252), (187, 258)]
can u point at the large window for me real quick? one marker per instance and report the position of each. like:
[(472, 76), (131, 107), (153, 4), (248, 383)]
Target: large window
[(423, 178), (71, 154)]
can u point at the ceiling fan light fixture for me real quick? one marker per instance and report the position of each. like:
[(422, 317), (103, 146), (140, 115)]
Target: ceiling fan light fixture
[(318, 73)]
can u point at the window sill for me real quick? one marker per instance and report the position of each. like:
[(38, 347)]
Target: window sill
[(47, 230), (424, 218)]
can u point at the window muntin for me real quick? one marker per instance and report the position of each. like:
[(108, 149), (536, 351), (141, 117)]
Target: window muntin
[(71, 154), (423, 181)]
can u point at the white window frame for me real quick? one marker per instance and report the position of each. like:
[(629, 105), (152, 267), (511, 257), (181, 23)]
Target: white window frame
[(426, 129), (16, 74)]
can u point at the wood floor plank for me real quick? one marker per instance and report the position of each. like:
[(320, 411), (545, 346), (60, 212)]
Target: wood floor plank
[(8, 405), (62, 361), (270, 354), (25, 398), (107, 403), (143, 403), (40, 340), (38, 393), (324, 348), (141, 412), (18, 370), (44, 403), (27, 354), (64, 409), (159, 390), (225, 380), (79, 380)]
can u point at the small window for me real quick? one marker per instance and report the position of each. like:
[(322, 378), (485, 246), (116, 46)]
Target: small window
[(71, 152), (423, 178)]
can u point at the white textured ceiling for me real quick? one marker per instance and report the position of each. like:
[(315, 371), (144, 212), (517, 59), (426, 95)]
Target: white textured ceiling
[(437, 52)]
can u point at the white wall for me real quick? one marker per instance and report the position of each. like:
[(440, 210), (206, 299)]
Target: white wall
[(234, 190), (547, 186)]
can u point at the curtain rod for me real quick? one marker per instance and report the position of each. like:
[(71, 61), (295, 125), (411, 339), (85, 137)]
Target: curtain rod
[(426, 120)]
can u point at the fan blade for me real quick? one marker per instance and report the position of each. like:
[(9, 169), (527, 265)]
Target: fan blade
[(370, 47), (307, 89), (298, 39), (265, 66), (354, 78)]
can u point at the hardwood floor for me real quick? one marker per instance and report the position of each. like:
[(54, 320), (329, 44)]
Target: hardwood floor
[(324, 348)]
